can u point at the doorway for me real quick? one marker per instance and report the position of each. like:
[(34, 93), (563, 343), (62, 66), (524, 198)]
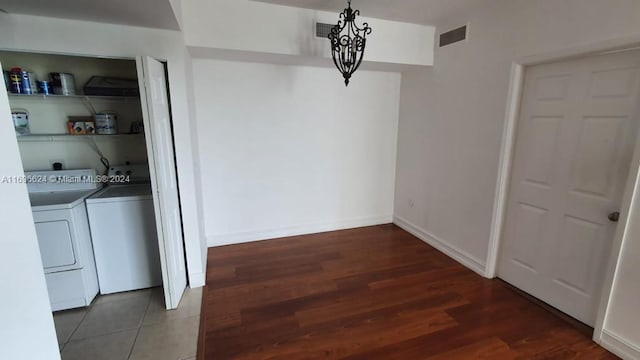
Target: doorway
[(142, 136), (576, 135)]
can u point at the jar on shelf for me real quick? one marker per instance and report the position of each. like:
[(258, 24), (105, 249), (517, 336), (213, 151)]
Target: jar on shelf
[(21, 121), (106, 123)]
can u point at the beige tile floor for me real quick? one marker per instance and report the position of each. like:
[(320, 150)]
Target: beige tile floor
[(131, 326)]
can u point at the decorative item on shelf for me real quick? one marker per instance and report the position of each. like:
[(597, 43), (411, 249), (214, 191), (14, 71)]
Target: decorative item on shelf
[(348, 42), (44, 87), (110, 86), (21, 81), (106, 123), (20, 121), (16, 84), (81, 125), (137, 127), (33, 82), (63, 84), (90, 127), (76, 128)]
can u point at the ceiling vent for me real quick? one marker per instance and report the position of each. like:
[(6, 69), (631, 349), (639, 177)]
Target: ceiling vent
[(453, 36), (323, 30)]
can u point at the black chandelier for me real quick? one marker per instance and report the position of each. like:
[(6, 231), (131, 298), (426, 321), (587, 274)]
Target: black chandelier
[(348, 42)]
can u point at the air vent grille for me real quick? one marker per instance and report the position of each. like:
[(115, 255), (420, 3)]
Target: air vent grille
[(453, 36), (323, 30)]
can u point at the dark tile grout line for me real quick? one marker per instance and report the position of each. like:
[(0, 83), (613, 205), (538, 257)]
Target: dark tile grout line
[(201, 327), (146, 311), (76, 328)]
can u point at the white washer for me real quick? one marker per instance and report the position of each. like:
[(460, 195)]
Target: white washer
[(60, 216), (123, 230)]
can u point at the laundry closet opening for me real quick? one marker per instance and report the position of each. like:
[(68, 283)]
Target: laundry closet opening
[(97, 150)]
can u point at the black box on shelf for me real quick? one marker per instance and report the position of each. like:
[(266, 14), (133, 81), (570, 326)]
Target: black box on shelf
[(109, 86)]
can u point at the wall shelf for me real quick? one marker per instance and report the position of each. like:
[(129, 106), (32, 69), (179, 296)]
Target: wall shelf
[(69, 137), (72, 97)]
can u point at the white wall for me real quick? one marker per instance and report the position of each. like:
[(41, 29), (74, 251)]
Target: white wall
[(26, 325), (40, 34), (452, 117), (622, 322), (197, 174), (244, 196), (251, 26), (289, 150)]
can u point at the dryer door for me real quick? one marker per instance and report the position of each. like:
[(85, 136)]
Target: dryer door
[(57, 240)]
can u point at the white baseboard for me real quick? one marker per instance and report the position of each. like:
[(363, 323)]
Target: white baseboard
[(266, 234), (619, 346), (197, 280), (453, 252)]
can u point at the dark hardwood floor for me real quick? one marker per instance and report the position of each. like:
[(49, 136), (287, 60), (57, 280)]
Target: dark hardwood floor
[(370, 293)]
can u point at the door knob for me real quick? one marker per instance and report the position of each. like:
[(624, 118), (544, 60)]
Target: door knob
[(614, 216)]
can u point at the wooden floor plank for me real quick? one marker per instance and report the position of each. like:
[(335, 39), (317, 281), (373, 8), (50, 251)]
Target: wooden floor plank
[(370, 293), (492, 348)]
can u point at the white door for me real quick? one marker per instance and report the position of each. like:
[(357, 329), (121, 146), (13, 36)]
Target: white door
[(575, 139), (157, 125)]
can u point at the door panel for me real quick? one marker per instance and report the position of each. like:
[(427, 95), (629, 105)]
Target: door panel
[(600, 144), (579, 244), (552, 88), (540, 149), (612, 83), (530, 225), (576, 133), (157, 124)]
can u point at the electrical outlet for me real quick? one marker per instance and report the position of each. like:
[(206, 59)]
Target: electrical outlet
[(53, 161)]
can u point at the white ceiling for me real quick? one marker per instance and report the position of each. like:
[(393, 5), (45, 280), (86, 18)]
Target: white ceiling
[(159, 14), (426, 12), (145, 13)]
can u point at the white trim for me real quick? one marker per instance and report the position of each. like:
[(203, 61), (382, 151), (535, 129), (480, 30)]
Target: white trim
[(504, 172), (302, 229), (619, 346), (441, 245), (197, 280), (601, 47), (620, 236)]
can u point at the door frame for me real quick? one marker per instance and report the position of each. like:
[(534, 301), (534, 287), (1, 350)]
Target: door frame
[(507, 152)]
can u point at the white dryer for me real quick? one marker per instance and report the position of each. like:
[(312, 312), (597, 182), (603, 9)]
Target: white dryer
[(123, 230), (57, 202)]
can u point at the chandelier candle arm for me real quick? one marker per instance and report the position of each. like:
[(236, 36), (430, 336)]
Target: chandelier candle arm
[(348, 42)]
